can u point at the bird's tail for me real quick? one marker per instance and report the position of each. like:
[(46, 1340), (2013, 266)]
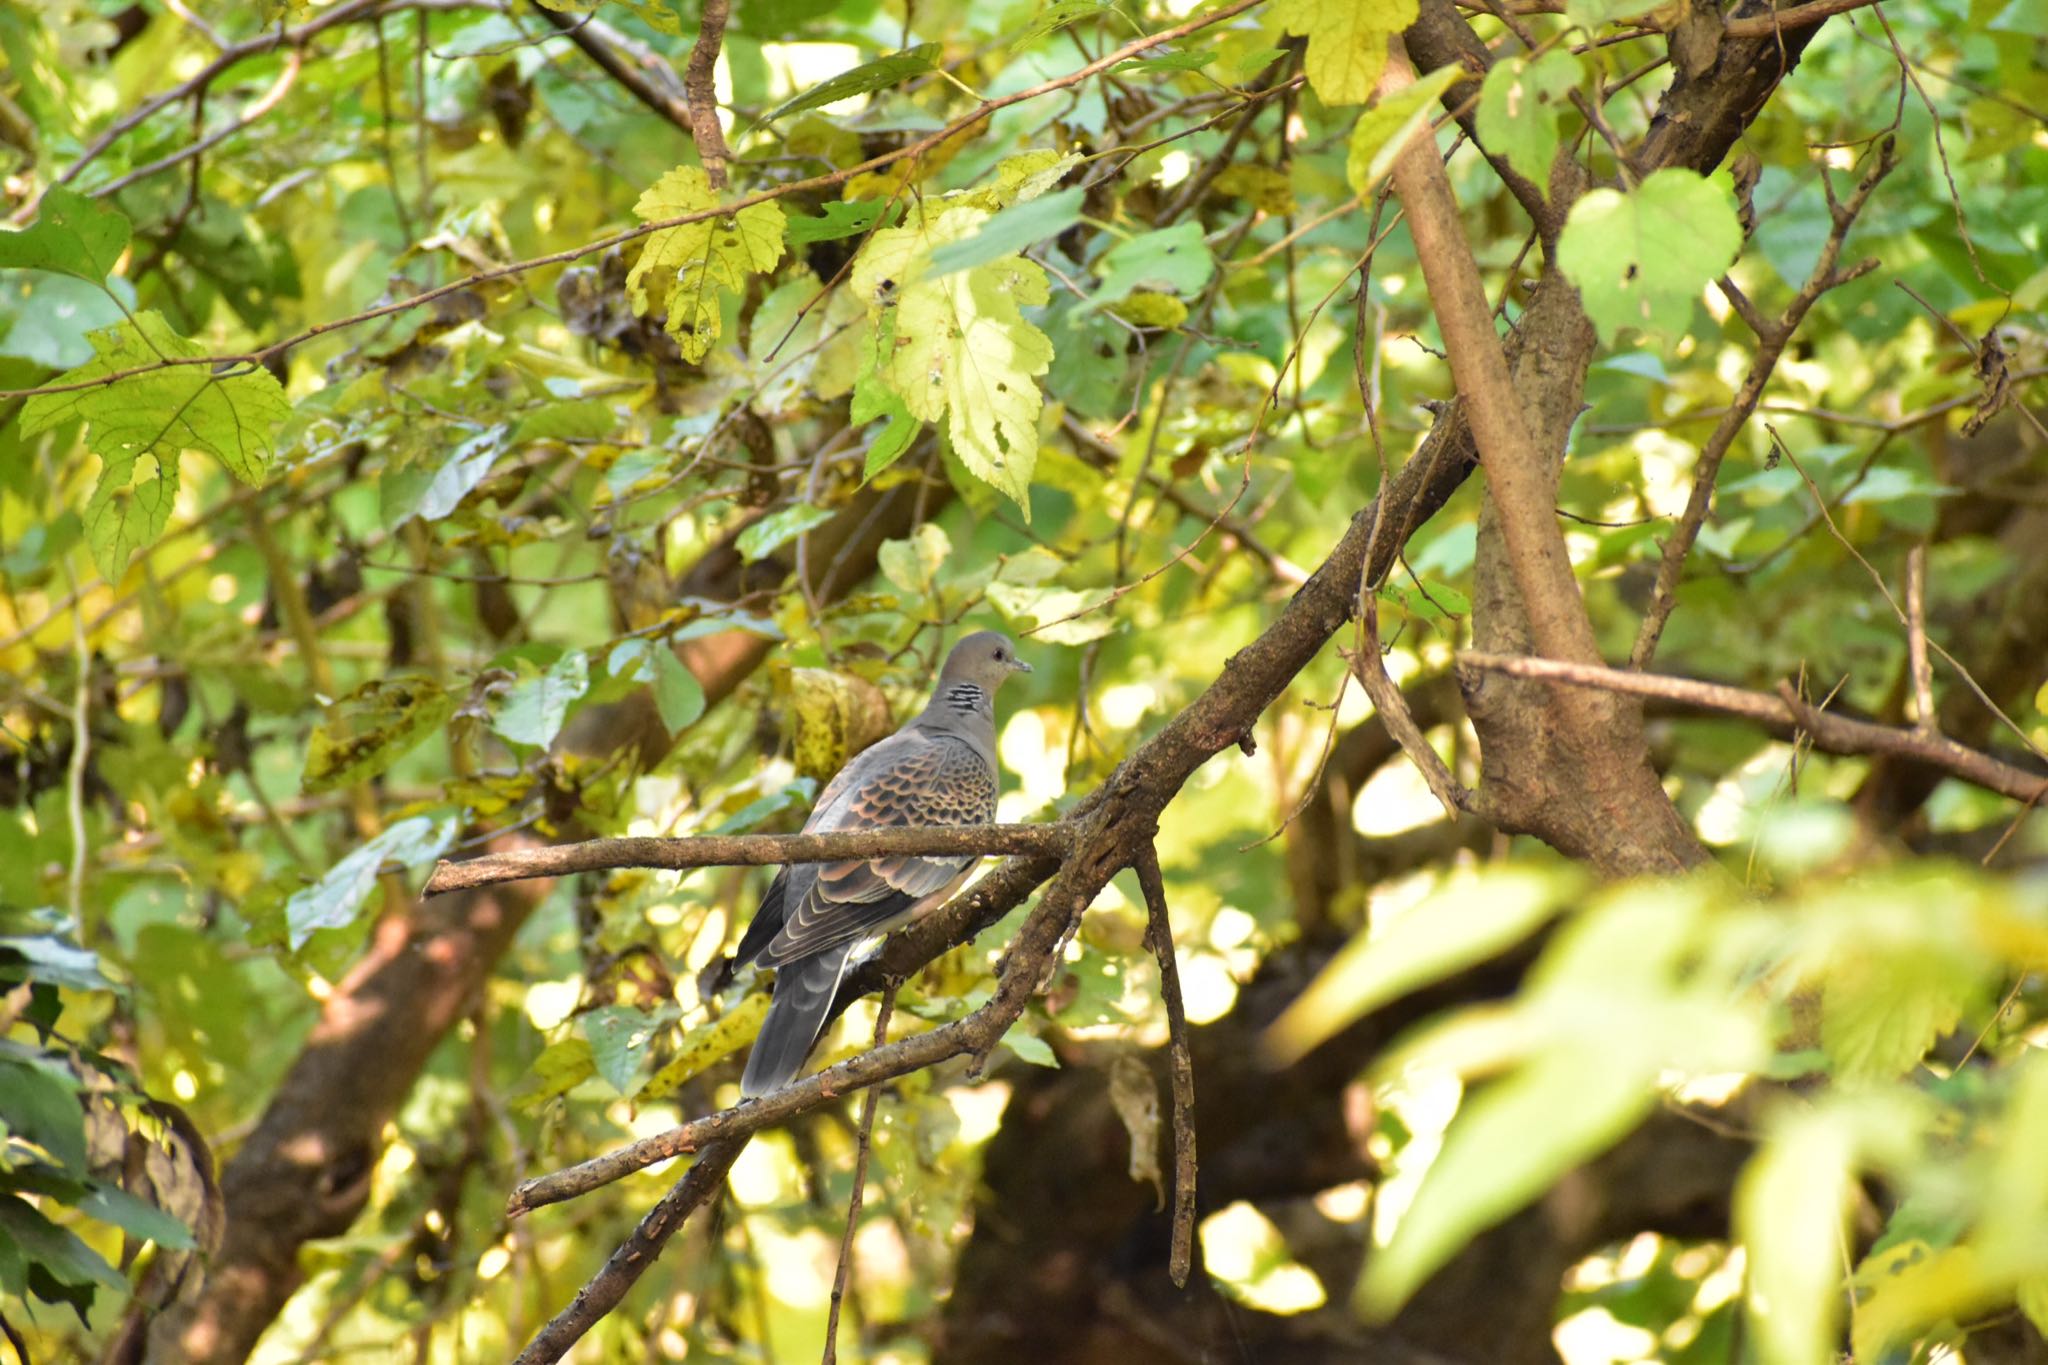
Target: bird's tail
[(796, 1016)]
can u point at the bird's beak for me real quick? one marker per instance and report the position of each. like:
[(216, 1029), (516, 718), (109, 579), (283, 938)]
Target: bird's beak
[(1018, 665)]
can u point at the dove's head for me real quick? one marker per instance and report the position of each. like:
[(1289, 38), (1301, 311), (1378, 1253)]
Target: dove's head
[(985, 659)]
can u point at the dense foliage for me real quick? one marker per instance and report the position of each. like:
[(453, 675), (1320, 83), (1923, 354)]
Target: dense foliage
[(439, 425)]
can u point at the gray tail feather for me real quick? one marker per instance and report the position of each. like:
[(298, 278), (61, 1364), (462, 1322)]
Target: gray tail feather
[(796, 1016)]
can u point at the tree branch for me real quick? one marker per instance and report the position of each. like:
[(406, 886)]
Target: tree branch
[(742, 850), (702, 94), (1159, 931), (1831, 733)]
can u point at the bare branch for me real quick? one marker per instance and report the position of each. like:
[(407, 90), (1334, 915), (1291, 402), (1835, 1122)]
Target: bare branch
[(702, 94), (742, 850), (1159, 932), (1831, 733)]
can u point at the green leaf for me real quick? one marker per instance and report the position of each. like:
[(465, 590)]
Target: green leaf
[(1509, 1143), (58, 1251), (1789, 1207), (962, 348), (1469, 922), (1172, 260), (465, 467), (1640, 259), (1053, 17), (36, 1105), (1520, 107), (840, 218), (112, 1204), (912, 563), (139, 425), (705, 1045), (864, 79), (1592, 14), (1384, 131), (1881, 1012), (53, 316), (560, 1068), (72, 235), (1029, 1047), (678, 696), (336, 898), (1347, 42), (778, 528), (1033, 611), (619, 1038), (53, 959), (371, 728), (1010, 231), (533, 712), (684, 268)]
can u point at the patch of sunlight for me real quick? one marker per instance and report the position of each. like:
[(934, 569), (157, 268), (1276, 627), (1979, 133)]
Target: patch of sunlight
[(1666, 464), (799, 1265), (1246, 1256), (1030, 751), (1723, 1283), (1595, 1336), (1230, 927), (766, 1172), (796, 67), (979, 1109), (1394, 801), (658, 802), (492, 1263), (879, 1253), (1206, 986), (1424, 1102), (1174, 167), (1346, 1203), (548, 1003), (710, 940), (1711, 1090), (1125, 704), (1725, 816)]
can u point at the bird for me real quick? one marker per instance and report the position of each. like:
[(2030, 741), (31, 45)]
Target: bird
[(939, 769)]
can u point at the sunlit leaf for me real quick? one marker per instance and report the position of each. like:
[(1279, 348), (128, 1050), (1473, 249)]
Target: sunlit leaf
[(1641, 258), (1347, 42), (879, 74), (685, 268), (373, 727), (777, 529), (1384, 131)]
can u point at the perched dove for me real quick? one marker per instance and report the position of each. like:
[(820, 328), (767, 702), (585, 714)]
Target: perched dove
[(940, 769)]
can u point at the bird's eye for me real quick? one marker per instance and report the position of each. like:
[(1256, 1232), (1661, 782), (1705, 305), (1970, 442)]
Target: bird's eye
[(1000, 656)]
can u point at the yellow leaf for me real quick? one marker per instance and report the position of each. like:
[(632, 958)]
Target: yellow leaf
[(685, 267), (1347, 42)]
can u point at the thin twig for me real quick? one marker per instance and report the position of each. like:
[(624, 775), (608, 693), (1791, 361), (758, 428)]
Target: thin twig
[(1916, 639), (1159, 935), (869, 1103)]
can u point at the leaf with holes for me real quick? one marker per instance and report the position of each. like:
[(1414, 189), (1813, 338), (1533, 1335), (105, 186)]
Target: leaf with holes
[(685, 268), (1520, 106), (962, 347), (1640, 259)]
